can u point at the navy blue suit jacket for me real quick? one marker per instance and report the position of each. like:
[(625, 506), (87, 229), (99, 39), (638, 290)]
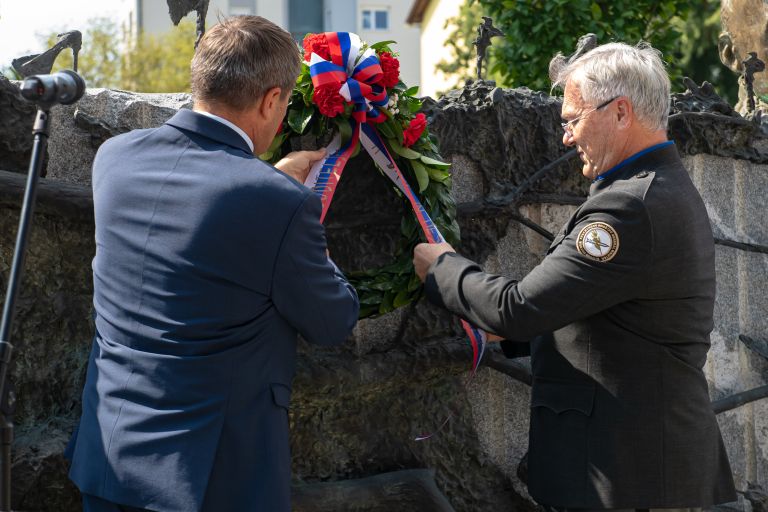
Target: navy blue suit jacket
[(208, 263)]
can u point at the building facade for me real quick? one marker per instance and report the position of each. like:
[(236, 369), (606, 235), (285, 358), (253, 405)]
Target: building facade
[(431, 17), (372, 20)]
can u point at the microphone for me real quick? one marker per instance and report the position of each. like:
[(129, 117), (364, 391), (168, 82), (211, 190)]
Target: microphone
[(65, 87)]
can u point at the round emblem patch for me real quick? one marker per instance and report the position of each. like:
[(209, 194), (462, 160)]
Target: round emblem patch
[(598, 241)]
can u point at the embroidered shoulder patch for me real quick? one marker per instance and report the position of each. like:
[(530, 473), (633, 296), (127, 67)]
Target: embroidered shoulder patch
[(598, 241)]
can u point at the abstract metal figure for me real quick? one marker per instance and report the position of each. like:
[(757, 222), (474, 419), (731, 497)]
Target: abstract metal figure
[(180, 8), (42, 63), (485, 31), (752, 65), (701, 98), (585, 43)]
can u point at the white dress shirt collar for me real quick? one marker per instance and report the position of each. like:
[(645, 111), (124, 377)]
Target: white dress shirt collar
[(231, 125)]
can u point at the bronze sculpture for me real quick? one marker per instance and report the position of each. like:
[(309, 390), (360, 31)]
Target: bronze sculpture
[(585, 43), (42, 63), (744, 30), (751, 65), (485, 31), (180, 8)]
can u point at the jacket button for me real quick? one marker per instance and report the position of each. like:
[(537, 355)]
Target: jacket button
[(642, 174)]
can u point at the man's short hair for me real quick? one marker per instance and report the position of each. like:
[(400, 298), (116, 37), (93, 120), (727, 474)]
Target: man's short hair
[(617, 69), (242, 57)]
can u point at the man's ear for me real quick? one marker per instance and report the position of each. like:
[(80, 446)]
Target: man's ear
[(270, 101), (624, 112), (727, 56)]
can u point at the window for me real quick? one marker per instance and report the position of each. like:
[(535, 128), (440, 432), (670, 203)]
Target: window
[(375, 19), (305, 17)]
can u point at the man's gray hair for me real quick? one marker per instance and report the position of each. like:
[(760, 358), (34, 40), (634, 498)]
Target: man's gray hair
[(241, 58), (617, 69)]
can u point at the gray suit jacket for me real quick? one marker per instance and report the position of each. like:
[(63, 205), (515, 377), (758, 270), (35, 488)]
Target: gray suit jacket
[(208, 264), (618, 320)]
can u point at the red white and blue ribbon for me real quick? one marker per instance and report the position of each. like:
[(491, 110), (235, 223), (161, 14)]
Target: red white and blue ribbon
[(358, 81)]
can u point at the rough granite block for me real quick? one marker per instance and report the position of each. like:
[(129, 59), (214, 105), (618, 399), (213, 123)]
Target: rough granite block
[(713, 177), (78, 130)]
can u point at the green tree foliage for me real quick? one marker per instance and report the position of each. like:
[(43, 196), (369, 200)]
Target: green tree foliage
[(147, 64), (99, 59), (698, 58), (538, 29), (461, 67), (160, 63)]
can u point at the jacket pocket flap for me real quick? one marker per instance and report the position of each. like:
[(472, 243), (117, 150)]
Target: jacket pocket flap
[(281, 395), (563, 396)]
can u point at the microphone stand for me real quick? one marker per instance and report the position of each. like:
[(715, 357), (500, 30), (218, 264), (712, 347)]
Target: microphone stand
[(41, 132)]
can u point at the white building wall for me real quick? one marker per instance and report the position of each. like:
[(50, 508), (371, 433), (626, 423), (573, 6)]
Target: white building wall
[(339, 15), (407, 36), (274, 10), (434, 34)]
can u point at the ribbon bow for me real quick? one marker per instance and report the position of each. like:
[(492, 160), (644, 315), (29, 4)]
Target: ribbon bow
[(357, 79)]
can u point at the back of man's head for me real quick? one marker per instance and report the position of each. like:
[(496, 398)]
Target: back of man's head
[(241, 58), (617, 69)]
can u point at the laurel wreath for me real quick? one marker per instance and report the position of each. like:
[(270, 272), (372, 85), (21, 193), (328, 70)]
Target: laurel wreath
[(395, 284)]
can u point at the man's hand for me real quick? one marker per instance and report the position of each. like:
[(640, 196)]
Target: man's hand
[(425, 254), (297, 163)]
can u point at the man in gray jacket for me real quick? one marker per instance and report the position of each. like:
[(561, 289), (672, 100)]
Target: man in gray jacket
[(618, 314)]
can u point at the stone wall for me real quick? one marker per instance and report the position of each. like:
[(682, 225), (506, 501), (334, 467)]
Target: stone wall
[(734, 192), (356, 408)]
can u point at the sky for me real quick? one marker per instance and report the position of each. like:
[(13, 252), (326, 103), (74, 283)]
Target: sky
[(23, 21)]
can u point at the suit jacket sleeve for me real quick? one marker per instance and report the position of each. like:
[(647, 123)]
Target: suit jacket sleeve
[(565, 287), (308, 290)]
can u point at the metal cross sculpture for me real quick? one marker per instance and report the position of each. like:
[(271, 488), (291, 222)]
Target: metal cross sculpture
[(485, 31)]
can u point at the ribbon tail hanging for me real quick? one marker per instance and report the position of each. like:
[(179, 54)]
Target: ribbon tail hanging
[(375, 147), (325, 175)]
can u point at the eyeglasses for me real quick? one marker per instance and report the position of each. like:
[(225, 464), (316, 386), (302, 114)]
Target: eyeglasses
[(568, 126)]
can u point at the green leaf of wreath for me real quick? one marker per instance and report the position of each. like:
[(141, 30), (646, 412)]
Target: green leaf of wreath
[(401, 299), (387, 129), (298, 120), (381, 45), (440, 175), (434, 163), (422, 176), (274, 147), (403, 151), (344, 128)]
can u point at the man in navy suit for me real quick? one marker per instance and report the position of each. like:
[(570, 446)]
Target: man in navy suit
[(208, 264)]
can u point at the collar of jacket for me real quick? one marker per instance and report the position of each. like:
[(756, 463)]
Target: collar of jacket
[(647, 159), (190, 120)]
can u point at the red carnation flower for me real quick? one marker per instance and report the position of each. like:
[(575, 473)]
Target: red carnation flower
[(391, 68), (414, 130), (328, 100), (316, 43)]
